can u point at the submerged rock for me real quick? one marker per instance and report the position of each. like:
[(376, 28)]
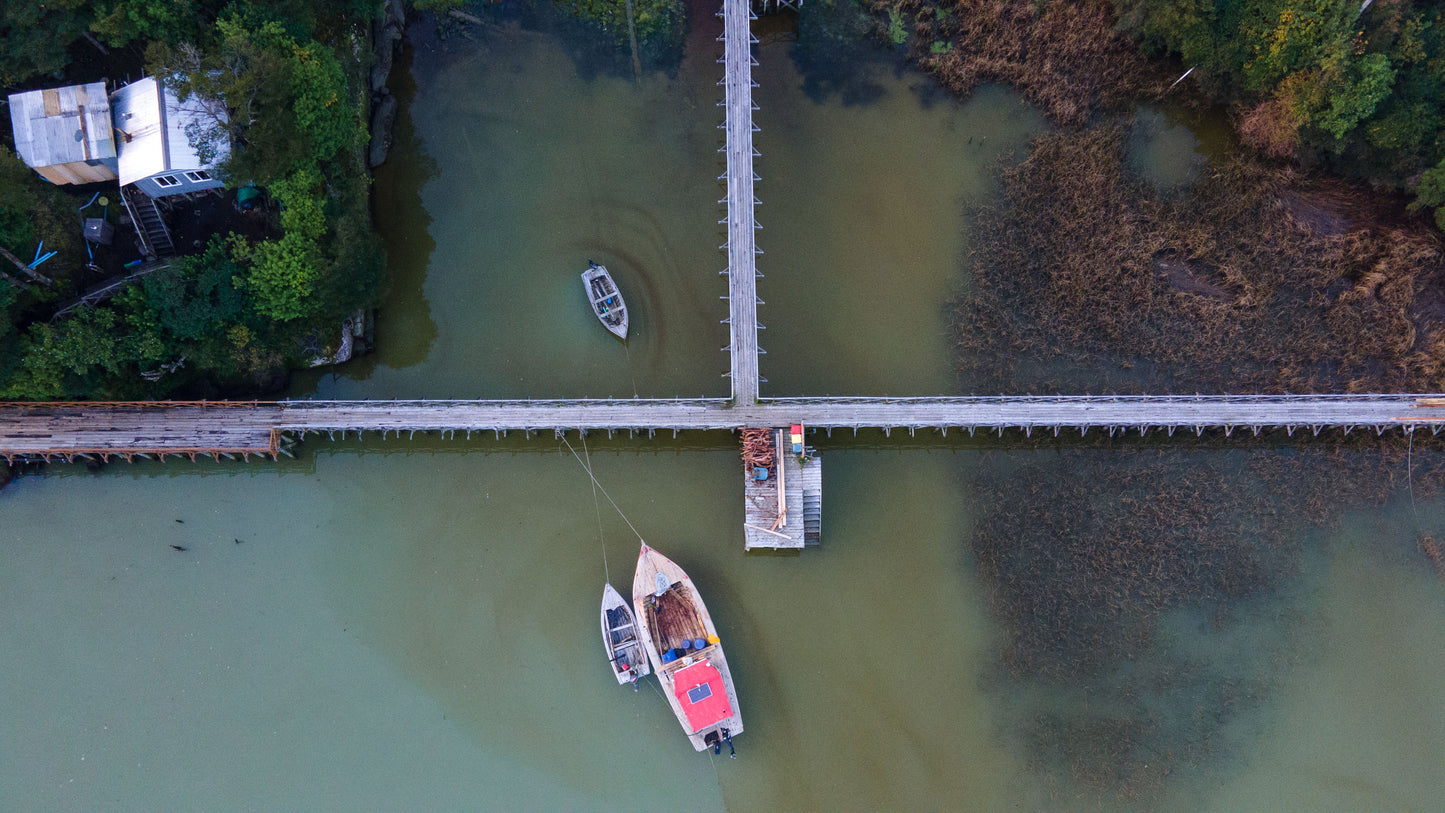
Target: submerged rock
[(382, 119)]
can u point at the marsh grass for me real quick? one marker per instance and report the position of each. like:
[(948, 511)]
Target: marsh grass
[(1149, 594), (1085, 279), (1065, 57)]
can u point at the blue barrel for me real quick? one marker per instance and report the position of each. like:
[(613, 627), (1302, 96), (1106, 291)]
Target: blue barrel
[(686, 645), (698, 643)]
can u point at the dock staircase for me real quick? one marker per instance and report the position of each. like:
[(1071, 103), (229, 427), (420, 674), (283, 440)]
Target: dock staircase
[(812, 482), (149, 225)]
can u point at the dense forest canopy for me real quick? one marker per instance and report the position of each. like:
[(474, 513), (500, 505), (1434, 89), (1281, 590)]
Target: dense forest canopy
[(284, 83), (1358, 86)]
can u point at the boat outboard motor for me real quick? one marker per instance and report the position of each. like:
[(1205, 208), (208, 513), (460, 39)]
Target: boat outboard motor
[(732, 752)]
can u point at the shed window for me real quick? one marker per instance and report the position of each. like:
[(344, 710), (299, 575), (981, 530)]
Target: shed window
[(167, 180), (198, 176)]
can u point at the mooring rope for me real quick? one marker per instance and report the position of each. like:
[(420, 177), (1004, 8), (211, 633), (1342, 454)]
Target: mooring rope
[(630, 374), (603, 489), (597, 505), (1410, 477)]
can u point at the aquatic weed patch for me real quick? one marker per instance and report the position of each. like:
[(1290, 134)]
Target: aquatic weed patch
[(1065, 57), (1147, 591), (1086, 279)]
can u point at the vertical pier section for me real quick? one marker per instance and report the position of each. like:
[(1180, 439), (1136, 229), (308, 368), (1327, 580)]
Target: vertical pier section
[(741, 224)]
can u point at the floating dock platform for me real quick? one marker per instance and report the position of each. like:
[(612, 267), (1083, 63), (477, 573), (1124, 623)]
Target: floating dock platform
[(782, 508)]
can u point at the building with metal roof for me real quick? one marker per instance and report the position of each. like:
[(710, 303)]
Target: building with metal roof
[(65, 133), (155, 132)]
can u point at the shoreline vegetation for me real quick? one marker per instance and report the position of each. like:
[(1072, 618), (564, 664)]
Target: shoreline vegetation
[(1127, 574), (308, 113), (244, 303)]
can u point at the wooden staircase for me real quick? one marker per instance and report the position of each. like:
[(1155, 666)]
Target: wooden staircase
[(812, 480), (149, 225)]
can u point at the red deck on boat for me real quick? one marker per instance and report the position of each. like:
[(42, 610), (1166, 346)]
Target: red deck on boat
[(700, 691)]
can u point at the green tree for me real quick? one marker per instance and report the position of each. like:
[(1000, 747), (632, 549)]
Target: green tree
[(320, 102), (1361, 86), (196, 297), (75, 357), (1431, 192), (283, 277), (1365, 87), (125, 21), (288, 99), (284, 273), (18, 202), (34, 36), (1285, 36)]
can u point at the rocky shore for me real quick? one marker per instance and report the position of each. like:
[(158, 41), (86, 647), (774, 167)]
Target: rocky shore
[(387, 32)]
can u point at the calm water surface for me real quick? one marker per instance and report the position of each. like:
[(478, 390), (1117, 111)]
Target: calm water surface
[(407, 625), (412, 624)]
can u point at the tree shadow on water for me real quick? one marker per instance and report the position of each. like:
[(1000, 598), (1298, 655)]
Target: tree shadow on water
[(836, 54), (405, 323)]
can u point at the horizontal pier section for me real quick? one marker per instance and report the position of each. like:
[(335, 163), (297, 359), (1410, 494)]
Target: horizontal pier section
[(139, 429), (243, 428)]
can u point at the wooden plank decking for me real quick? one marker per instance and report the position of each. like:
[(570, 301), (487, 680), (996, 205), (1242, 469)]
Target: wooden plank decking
[(761, 529), (253, 428), (741, 223), (190, 428)]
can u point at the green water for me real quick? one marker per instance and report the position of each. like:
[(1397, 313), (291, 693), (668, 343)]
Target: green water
[(412, 624)]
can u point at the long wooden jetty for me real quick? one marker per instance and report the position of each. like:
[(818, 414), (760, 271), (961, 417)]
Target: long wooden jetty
[(49, 430), (742, 226), (192, 429)]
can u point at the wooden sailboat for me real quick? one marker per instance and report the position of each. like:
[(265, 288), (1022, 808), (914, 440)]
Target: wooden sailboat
[(606, 300), (621, 639), (685, 651)]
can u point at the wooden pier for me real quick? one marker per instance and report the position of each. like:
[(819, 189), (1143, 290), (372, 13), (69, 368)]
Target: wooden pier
[(742, 226), (785, 510), (194, 429), (65, 430)]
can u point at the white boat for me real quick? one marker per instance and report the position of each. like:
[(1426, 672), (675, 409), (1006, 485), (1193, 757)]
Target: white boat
[(620, 638), (606, 300), (686, 653)]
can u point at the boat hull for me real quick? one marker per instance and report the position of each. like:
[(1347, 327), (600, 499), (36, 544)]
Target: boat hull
[(606, 299), (705, 704), (621, 639)]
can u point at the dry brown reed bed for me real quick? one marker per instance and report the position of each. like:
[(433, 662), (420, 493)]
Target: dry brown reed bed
[(1086, 279), (1065, 57)]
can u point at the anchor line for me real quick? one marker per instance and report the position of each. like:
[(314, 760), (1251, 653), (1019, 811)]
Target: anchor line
[(603, 489), (606, 573), (1410, 477), (630, 373)]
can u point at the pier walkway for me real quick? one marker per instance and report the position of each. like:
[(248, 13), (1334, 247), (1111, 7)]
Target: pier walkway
[(742, 247), (245, 428), (68, 430)]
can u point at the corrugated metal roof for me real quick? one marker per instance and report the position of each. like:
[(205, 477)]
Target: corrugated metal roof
[(154, 123), (62, 125)]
